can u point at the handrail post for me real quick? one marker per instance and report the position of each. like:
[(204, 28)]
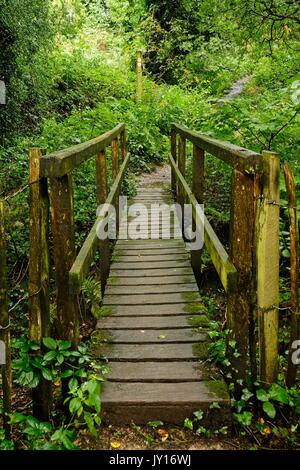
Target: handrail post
[(240, 302), (64, 255), (5, 359), (102, 192), (267, 259), (115, 170), (39, 278), (174, 155), (181, 167), (198, 190)]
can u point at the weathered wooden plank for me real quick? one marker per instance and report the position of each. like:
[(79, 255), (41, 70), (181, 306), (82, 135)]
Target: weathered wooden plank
[(174, 155), (159, 402), (150, 288), (166, 372), (149, 244), (151, 264), (149, 252), (220, 258), (149, 259), (147, 352), (164, 321), (267, 246), (150, 281), (152, 272), (60, 163), (39, 275), (82, 263), (294, 262), (149, 336), (140, 299), (102, 191), (239, 158), (5, 362), (64, 255)]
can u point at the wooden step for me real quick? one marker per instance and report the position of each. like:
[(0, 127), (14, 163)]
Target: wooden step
[(178, 335), (151, 299), (152, 352), (150, 281), (116, 322), (124, 403), (149, 289), (148, 310)]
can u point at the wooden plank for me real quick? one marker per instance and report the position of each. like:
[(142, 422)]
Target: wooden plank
[(174, 155), (64, 256), (39, 274), (123, 144), (149, 244), (294, 262), (150, 288), (82, 263), (239, 158), (60, 163), (158, 402), (149, 252), (144, 310), (151, 264), (166, 372), (141, 299), (149, 336), (147, 352), (151, 281), (152, 272), (149, 258), (220, 258), (183, 320), (267, 225), (5, 362)]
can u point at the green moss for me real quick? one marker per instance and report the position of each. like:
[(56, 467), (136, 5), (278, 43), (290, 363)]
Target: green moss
[(200, 350), (218, 388), (195, 308), (113, 281), (101, 336), (198, 320), (106, 311), (190, 296)]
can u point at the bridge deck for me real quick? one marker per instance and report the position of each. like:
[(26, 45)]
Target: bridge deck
[(154, 335)]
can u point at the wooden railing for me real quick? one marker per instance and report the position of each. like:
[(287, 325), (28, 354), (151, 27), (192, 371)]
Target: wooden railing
[(250, 271), (70, 271)]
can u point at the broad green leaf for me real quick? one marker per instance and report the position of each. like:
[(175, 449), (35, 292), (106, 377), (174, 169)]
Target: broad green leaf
[(50, 343), (262, 395), (269, 409)]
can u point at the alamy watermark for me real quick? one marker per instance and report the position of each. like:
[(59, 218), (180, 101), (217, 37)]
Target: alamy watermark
[(2, 92), (157, 221), (2, 353)]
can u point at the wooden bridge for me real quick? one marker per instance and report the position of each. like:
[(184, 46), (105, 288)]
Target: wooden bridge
[(153, 328)]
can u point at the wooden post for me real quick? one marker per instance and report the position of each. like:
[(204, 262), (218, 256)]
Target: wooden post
[(102, 192), (139, 74), (174, 155), (39, 307), (123, 144), (198, 190), (294, 260), (64, 256), (5, 362), (267, 256), (115, 170), (240, 303), (181, 167)]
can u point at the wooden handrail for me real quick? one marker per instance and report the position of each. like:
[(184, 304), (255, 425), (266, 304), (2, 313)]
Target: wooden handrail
[(63, 162), (82, 263), (239, 158), (219, 256)]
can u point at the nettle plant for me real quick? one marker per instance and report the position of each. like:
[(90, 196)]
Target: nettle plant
[(60, 362)]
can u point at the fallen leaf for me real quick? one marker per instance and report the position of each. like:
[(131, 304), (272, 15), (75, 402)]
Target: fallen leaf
[(161, 337), (163, 434), (57, 383), (115, 445), (266, 430)]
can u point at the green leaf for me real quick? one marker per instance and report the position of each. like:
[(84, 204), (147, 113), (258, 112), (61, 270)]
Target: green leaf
[(155, 424), (262, 395), (269, 409), (188, 424), (49, 356), (198, 415), (244, 418), (62, 345), (279, 394), (60, 358), (246, 394), (73, 383), (75, 405), (50, 343), (66, 373), (47, 374)]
